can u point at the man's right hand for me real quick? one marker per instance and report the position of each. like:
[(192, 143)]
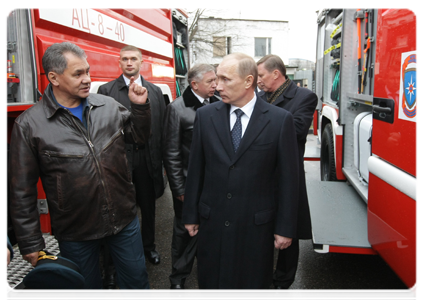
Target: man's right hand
[(181, 198), (32, 258), (192, 229), (136, 93)]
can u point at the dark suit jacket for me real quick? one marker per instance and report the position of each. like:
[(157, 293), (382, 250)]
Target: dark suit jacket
[(233, 195), (301, 103), (177, 138), (118, 90)]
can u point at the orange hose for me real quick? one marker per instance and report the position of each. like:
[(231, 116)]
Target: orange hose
[(359, 37)]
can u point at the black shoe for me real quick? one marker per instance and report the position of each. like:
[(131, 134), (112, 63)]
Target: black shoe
[(153, 257), (280, 293), (109, 284), (177, 291)]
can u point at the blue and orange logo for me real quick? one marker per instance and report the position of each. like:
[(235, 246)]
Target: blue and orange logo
[(409, 102)]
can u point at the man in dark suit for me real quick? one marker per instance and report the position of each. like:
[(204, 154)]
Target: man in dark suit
[(146, 162), (241, 191), (280, 91), (177, 137)]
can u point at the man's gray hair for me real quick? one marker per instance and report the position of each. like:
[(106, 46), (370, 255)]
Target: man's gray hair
[(197, 72), (273, 62), (54, 59)]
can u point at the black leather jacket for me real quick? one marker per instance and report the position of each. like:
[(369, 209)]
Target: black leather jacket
[(83, 170), (177, 138)]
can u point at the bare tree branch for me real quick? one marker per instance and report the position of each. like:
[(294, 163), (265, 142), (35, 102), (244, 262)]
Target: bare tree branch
[(210, 36)]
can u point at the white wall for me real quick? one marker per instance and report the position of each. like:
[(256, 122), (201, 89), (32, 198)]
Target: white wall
[(242, 33)]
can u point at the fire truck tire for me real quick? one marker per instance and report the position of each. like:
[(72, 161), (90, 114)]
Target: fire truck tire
[(327, 156)]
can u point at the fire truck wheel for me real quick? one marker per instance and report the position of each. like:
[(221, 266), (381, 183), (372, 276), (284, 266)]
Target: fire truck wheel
[(327, 156)]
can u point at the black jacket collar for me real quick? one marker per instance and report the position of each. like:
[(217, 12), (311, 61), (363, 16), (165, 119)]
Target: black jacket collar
[(122, 84), (291, 90), (288, 94), (191, 100)]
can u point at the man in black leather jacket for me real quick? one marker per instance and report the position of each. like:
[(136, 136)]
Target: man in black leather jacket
[(177, 137), (75, 142)]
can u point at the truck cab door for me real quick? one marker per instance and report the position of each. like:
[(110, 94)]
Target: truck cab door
[(392, 166)]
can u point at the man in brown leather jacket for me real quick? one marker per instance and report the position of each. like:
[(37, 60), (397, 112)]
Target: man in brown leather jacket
[(75, 142), (177, 137)]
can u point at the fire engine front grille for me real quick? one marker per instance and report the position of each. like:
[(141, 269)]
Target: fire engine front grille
[(18, 268)]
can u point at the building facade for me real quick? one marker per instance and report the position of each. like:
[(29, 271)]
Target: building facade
[(216, 37)]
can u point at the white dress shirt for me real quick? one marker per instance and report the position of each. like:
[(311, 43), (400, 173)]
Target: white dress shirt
[(247, 109), (201, 99)]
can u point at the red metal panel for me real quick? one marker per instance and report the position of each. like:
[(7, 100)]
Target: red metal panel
[(392, 214), (339, 153), (352, 250), (392, 228), (315, 121), (312, 158), (157, 21), (396, 34), (18, 108), (103, 54)]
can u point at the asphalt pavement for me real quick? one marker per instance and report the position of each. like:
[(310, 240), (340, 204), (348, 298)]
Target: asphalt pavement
[(328, 276)]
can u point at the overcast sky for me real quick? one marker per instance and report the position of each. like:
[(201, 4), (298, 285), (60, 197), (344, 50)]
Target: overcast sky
[(302, 25)]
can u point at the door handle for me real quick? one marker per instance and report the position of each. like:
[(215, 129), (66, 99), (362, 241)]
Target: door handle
[(380, 109), (383, 109)]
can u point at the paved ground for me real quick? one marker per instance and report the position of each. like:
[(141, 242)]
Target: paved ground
[(320, 276)]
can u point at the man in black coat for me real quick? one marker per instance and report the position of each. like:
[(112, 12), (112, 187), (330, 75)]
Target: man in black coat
[(147, 166), (241, 192), (280, 91), (177, 137)]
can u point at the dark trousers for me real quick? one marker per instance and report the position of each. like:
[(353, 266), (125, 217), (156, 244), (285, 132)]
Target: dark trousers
[(146, 200), (287, 265), (262, 296), (126, 252), (184, 250)]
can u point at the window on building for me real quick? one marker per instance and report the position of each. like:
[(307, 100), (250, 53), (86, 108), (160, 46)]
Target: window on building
[(228, 45), (221, 45), (263, 46)]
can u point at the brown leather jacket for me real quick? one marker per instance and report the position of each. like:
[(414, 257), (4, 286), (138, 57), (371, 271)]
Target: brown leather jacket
[(83, 170)]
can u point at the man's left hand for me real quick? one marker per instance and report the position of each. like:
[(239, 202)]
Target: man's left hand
[(282, 242), (137, 94)]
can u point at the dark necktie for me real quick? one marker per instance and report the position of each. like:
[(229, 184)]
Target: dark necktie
[(206, 101), (236, 132)]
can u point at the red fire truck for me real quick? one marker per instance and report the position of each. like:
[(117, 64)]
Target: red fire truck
[(161, 35), (366, 81)]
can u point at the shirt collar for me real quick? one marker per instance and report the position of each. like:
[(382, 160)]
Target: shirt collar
[(83, 100), (247, 109), (201, 99), (138, 80)]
